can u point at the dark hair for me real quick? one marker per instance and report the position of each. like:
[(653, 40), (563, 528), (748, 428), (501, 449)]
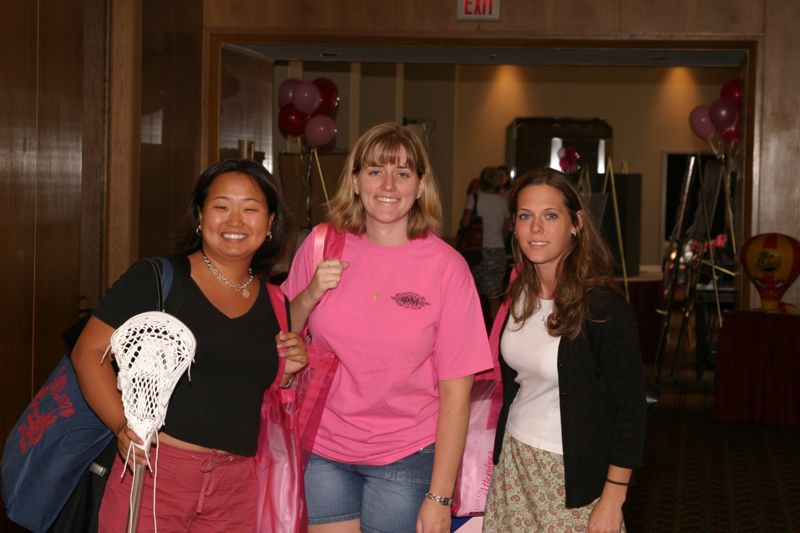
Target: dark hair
[(490, 179), (586, 266), (272, 250), (506, 184)]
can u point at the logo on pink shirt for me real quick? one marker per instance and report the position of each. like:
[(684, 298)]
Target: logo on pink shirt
[(410, 300)]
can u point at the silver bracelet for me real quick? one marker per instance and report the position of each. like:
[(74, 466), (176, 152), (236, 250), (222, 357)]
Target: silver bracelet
[(439, 499), (288, 383)]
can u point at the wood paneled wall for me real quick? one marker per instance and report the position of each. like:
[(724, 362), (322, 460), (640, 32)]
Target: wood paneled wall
[(18, 84), (169, 161), (546, 19), (43, 126)]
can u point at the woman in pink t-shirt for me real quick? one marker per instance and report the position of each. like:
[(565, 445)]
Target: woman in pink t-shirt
[(400, 310)]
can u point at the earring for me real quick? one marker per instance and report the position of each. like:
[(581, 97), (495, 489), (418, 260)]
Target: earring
[(574, 233), (269, 236), (198, 229)]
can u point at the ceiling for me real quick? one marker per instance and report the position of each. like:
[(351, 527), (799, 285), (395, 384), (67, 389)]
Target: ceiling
[(503, 55)]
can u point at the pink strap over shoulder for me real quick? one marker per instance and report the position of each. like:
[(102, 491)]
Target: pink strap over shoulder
[(328, 243), (278, 301), (320, 232)]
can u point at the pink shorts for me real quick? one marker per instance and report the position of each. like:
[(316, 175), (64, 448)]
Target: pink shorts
[(195, 492)]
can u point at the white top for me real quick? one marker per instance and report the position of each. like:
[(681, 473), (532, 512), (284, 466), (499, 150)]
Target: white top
[(535, 415), (493, 209)]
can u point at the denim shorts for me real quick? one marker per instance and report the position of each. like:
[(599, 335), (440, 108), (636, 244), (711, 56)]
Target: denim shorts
[(386, 498)]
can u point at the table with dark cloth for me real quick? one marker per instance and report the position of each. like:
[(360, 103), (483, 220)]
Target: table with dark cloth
[(645, 294), (757, 376)]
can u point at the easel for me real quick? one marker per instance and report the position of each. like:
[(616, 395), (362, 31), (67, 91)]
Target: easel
[(306, 184), (585, 185), (313, 156), (694, 263)]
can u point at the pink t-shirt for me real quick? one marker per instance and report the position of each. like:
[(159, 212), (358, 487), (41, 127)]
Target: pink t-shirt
[(401, 319)]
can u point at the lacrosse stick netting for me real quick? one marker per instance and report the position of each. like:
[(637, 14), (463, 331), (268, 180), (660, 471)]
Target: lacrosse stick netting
[(152, 351)]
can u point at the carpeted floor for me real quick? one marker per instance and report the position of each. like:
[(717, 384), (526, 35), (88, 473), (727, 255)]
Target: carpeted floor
[(706, 476)]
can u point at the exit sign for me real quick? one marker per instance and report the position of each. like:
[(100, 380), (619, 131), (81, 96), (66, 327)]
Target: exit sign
[(478, 10)]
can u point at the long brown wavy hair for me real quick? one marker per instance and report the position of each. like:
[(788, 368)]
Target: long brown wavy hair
[(587, 265), (380, 145)]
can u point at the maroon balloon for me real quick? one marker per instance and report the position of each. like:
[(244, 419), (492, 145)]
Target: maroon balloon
[(701, 123), (723, 114), (329, 96), (732, 134), (291, 121), (732, 90), (320, 130), (306, 97), (286, 91)]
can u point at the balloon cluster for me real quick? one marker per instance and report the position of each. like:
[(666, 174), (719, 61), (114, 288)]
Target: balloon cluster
[(719, 122), (305, 109), (568, 158)]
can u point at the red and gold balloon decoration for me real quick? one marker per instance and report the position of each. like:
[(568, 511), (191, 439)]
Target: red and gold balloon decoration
[(771, 262), (305, 110)]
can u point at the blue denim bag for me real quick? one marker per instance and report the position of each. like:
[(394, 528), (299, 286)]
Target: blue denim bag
[(56, 440)]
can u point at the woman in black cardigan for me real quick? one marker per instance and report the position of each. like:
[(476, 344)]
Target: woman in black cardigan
[(573, 420)]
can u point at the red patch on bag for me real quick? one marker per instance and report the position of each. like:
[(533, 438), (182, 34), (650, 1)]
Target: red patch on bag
[(36, 422)]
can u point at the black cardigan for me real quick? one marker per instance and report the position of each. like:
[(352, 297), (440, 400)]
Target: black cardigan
[(602, 393)]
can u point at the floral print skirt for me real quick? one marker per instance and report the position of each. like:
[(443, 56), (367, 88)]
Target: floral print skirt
[(527, 493)]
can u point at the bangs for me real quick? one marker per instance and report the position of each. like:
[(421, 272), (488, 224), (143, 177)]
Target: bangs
[(388, 151)]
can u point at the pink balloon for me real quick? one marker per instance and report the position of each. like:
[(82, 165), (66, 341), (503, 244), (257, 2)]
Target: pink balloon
[(723, 114), (700, 122), (320, 130), (306, 97), (286, 91), (732, 90), (329, 96)]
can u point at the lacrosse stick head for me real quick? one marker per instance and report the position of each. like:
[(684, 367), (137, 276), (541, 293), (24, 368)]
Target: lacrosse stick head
[(152, 351)]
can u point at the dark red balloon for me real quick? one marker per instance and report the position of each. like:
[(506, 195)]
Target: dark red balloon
[(732, 90), (733, 133), (291, 121), (723, 114), (329, 96)]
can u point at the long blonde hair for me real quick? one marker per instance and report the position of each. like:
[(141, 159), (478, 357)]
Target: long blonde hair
[(381, 145), (587, 265)]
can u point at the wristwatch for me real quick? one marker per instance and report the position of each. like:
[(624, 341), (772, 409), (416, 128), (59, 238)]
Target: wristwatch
[(439, 499)]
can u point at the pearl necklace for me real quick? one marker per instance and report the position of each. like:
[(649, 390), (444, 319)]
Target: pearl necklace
[(235, 286)]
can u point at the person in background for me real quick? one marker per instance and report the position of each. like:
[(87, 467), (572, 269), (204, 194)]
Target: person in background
[(504, 182), (473, 187), (235, 228), (401, 312), (573, 421), (493, 210)]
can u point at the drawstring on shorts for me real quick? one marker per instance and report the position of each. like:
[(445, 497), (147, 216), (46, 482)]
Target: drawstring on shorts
[(208, 467)]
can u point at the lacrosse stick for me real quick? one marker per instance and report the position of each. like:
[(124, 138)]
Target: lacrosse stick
[(152, 350)]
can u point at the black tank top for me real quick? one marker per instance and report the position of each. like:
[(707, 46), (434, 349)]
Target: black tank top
[(236, 358)]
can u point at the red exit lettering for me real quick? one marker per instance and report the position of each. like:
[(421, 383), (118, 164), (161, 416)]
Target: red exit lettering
[(478, 10), (478, 7)]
